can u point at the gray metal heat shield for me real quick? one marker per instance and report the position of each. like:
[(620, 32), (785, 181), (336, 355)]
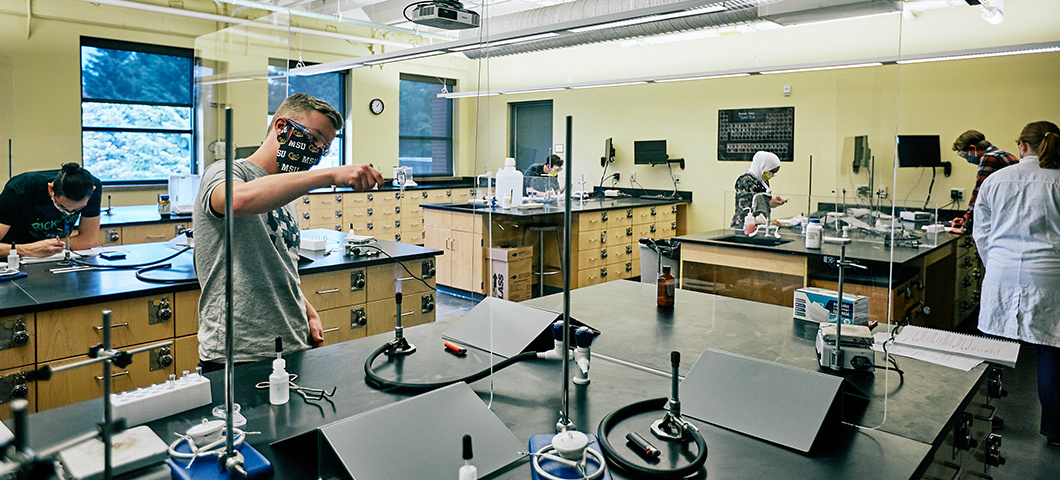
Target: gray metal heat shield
[(503, 327), (420, 437), (781, 404)]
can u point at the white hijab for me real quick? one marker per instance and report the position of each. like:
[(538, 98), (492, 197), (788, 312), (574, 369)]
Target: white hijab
[(761, 163)]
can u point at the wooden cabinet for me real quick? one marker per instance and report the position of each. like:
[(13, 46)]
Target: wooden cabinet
[(185, 354), (13, 385), (71, 331), (344, 323), (186, 312), (18, 340), (85, 383), (459, 236)]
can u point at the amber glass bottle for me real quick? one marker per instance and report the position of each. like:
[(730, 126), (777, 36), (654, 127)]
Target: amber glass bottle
[(667, 284)]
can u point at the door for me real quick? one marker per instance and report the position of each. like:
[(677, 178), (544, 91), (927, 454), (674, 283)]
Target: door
[(530, 132)]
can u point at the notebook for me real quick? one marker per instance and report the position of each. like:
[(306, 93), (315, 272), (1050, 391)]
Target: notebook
[(1002, 352)]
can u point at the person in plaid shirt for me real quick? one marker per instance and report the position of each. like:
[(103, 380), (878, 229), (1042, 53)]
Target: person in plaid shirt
[(975, 149)]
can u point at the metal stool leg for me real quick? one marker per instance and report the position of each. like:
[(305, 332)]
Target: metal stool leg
[(541, 264)]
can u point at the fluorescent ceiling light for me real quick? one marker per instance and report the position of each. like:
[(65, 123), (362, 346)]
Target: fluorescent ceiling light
[(708, 77), (651, 18), (982, 55), (468, 94), (406, 57), (535, 90), (509, 41), (817, 69), (610, 84)]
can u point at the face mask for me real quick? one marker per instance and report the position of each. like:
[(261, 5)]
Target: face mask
[(298, 152), (974, 160), (767, 176)]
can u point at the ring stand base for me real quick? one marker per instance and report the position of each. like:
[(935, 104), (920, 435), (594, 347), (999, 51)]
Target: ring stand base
[(558, 469), (205, 468)]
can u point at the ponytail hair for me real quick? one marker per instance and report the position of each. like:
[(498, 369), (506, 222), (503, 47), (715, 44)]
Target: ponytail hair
[(73, 182), (1049, 150)]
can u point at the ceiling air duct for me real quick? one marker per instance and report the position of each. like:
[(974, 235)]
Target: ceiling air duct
[(793, 12)]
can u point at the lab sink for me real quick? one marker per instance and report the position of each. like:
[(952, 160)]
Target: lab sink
[(763, 240)]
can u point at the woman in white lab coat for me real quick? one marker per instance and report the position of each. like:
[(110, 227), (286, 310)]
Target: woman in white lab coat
[(1018, 236), (752, 188)]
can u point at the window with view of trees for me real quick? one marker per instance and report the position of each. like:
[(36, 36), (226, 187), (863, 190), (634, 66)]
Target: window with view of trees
[(329, 87), (425, 134), (136, 111)]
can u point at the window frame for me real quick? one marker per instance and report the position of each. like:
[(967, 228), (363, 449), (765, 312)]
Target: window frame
[(111, 44), (451, 84)]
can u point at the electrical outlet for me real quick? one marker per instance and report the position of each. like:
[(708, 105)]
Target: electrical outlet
[(617, 176), (957, 194), (677, 177), (882, 192), (863, 190), (632, 177)]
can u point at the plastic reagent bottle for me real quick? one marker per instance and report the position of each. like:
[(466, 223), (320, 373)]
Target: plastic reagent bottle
[(813, 233), (468, 471), (279, 381), (749, 223), (667, 284), (12, 258), (510, 182)]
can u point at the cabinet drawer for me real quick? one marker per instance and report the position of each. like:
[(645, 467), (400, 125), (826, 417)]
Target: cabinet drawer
[(619, 253), (67, 332), (413, 236), (14, 381), (359, 199), (344, 324), (438, 219), (414, 223), (592, 276), (665, 229), (644, 215), (18, 341), (335, 289), (186, 312), (415, 310), (618, 235), (415, 211), (380, 199), (321, 201), (185, 354), (86, 383), (440, 196), (620, 270), (666, 213), (591, 258), (159, 232), (381, 279), (318, 217), (467, 222), (415, 198), (353, 214), (643, 230), (593, 220), (592, 240)]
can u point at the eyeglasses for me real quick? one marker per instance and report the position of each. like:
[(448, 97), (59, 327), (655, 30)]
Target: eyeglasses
[(316, 138), (1018, 142), (63, 209)]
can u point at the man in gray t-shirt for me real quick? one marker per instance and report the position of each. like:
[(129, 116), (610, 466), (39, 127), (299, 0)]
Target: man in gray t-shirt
[(267, 299)]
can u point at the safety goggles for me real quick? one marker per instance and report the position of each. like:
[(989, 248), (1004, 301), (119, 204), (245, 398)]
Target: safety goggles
[(314, 137)]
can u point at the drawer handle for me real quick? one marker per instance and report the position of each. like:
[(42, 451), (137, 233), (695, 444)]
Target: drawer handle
[(155, 236), (114, 375), (116, 325), (331, 330), (405, 314), (333, 290)]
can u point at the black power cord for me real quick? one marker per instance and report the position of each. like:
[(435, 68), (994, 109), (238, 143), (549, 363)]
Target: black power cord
[(380, 383), (640, 471)]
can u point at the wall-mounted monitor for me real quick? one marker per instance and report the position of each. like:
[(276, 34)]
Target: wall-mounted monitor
[(649, 152), (609, 153), (921, 151), (862, 152)]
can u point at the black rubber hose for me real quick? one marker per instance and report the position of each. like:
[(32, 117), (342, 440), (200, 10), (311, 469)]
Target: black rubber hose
[(130, 266), (615, 458), (380, 383)]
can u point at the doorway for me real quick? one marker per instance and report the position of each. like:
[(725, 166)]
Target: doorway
[(530, 135)]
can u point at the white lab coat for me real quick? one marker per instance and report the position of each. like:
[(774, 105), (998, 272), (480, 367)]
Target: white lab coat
[(1017, 231)]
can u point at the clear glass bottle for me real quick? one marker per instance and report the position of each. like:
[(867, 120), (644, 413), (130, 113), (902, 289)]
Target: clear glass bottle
[(667, 283)]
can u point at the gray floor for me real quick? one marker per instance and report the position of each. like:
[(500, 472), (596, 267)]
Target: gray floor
[(1026, 452)]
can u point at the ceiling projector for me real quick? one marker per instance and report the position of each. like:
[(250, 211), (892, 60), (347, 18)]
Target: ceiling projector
[(444, 14)]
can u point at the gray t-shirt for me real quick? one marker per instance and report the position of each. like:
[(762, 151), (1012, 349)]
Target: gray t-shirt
[(267, 299)]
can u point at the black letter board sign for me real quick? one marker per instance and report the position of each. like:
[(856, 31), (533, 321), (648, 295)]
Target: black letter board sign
[(745, 131)]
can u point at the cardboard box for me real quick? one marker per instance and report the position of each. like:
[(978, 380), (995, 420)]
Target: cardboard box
[(818, 305), (512, 273)]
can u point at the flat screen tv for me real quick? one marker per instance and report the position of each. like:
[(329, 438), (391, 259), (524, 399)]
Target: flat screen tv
[(649, 152), (919, 151)]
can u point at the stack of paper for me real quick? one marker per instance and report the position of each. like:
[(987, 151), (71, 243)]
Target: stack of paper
[(934, 342)]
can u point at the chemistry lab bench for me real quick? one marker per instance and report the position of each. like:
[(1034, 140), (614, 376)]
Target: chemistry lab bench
[(630, 363), (943, 276), (604, 237), (60, 313), (386, 213)]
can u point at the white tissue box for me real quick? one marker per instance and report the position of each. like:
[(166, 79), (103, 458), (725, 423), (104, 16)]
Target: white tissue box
[(818, 305)]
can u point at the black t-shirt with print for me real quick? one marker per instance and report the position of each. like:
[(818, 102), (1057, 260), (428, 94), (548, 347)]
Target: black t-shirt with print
[(26, 207)]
